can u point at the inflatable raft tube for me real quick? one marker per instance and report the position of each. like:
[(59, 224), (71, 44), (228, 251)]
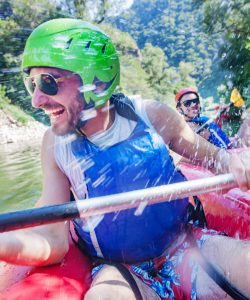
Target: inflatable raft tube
[(229, 213)]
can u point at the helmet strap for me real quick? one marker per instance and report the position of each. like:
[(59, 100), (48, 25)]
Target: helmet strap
[(182, 112), (79, 131)]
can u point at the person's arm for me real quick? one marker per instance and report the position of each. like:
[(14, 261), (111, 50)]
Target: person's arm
[(181, 139), (45, 244), (242, 138)]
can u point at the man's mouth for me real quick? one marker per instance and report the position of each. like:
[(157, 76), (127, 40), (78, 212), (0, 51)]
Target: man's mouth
[(55, 113), (194, 109)]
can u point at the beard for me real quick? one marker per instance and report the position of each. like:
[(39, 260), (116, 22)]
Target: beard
[(61, 130), (67, 126)]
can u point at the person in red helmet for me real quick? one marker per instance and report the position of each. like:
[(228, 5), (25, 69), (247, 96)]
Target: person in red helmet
[(188, 104), (189, 109)]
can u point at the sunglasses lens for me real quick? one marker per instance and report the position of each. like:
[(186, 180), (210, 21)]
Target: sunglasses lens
[(187, 103), (30, 85), (45, 82)]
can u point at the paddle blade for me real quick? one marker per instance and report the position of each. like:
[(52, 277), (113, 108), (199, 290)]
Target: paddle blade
[(236, 98)]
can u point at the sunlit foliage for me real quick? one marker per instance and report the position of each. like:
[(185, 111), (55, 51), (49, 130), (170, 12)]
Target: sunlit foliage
[(230, 20)]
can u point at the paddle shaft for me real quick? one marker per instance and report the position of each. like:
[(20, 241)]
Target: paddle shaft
[(209, 121), (101, 205)]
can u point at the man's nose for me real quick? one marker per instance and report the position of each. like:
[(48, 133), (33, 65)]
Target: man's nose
[(39, 99), (194, 104)]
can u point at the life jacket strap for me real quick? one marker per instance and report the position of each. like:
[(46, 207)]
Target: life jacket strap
[(124, 106)]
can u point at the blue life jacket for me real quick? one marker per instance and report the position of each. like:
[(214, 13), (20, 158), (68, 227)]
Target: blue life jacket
[(217, 136), (140, 162)]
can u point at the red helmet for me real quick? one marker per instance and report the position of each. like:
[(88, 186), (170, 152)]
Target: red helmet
[(185, 91)]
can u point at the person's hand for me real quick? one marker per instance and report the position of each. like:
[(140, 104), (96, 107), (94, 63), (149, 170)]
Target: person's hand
[(237, 163), (204, 133)]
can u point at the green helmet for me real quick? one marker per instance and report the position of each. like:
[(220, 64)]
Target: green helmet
[(79, 47)]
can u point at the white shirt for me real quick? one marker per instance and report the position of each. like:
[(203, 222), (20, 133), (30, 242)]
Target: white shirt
[(121, 128)]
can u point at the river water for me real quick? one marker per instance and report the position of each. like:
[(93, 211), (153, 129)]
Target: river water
[(20, 176)]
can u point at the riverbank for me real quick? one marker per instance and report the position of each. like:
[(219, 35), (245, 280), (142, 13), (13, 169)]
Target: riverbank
[(12, 131)]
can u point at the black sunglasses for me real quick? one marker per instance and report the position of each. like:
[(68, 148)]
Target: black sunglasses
[(46, 83), (187, 103)]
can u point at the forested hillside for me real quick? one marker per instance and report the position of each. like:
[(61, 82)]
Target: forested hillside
[(176, 27), (209, 35)]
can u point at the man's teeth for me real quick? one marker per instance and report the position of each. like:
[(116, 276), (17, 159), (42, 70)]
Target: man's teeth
[(55, 112)]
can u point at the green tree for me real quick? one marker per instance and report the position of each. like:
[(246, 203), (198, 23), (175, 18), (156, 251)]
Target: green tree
[(133, 76), (15, 26), (165, 80), (230, 21), (154, 63), (93, 10)]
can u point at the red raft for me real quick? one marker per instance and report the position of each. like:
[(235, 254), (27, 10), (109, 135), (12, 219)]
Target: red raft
[(71, 279)]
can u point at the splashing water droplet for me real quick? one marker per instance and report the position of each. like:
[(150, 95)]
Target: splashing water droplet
[(141, 208)]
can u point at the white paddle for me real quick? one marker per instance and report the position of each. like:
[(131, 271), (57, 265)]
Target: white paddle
[(111, 203)]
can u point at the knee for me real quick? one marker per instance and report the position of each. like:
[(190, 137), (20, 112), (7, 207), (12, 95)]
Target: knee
[(98, 292), (105, 292), (94, 293)]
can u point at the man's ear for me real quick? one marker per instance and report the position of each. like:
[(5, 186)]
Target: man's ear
[(100, 87)]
